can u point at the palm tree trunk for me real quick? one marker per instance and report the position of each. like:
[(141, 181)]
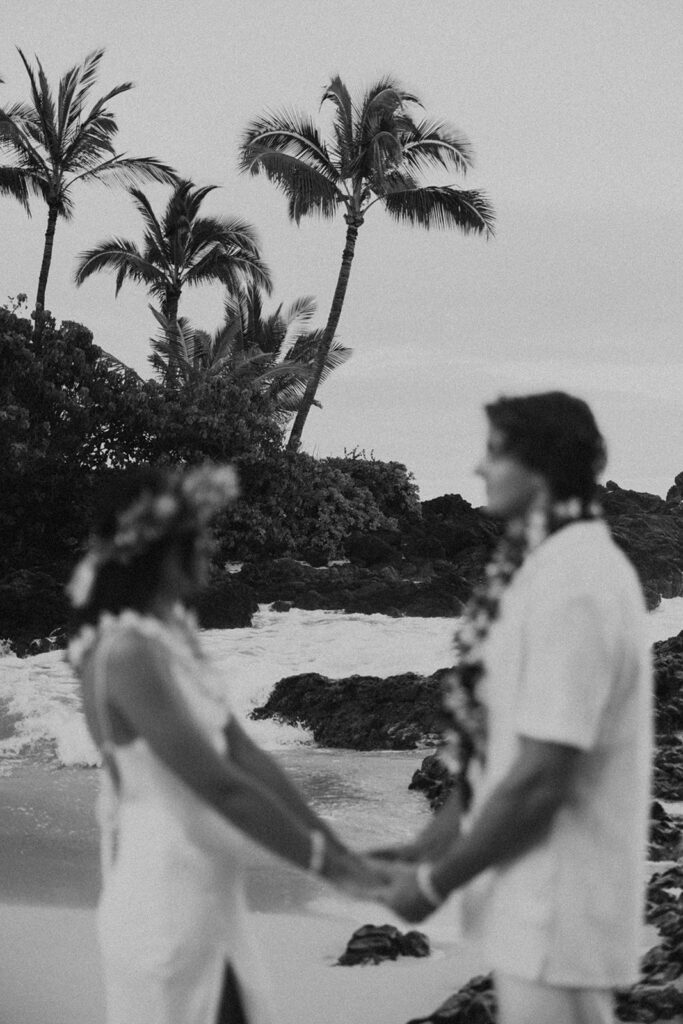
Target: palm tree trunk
[(171, 313), (354, 222), (45, 267)]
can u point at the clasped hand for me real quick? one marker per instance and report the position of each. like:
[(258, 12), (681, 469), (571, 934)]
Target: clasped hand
[(391, 881)]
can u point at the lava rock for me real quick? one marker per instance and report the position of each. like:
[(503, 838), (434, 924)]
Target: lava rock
[(226, 603), (360, 712), (666, 839), (434, 780), (668, 680), (668, 768), (373, 944), (474, 1003)]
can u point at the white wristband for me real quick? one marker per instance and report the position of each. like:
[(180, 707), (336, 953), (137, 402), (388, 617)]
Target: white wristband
[(425, 883), (318, 847)]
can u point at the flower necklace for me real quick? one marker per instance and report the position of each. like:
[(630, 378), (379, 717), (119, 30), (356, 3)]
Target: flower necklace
[(465, 737)]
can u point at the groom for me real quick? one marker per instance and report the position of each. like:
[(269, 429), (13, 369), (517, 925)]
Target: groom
[(551, 733)]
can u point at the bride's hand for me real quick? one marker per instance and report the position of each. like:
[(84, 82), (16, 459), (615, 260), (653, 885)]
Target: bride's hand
[(367, 878), (404, 896)]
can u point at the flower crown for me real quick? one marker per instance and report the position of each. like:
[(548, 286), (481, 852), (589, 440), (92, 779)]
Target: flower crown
[(190, 501)]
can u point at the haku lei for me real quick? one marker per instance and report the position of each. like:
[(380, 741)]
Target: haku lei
[(192, 498)]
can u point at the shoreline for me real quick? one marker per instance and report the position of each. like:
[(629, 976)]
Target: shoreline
[(49, 959)]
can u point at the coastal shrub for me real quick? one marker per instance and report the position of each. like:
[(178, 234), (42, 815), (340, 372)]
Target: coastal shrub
[(390, 483), (70, 413), (298, 506)]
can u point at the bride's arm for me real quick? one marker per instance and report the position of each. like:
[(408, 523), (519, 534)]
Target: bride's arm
[(140, 687), (258, 764)]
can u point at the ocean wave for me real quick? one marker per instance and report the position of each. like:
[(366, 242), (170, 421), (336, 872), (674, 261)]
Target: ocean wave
[(41, 717)]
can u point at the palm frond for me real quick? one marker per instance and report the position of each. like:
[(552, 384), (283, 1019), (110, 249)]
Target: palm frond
[(300, 311), (288, 133), (87, 76), (433, 206), (232, 266), (13, 183), (128, 171), (117, 254), (338, 94), (43, 105), (434, 144), (175, 348)]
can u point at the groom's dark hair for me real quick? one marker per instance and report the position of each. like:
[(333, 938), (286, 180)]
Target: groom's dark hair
[(556, 435)]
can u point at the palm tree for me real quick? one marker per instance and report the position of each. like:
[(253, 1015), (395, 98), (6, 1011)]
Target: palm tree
[(275, 353), (183, 249), (374, 154), (56, 143)]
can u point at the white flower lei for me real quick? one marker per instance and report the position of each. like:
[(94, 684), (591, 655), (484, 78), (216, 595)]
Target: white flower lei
[(465, 736)]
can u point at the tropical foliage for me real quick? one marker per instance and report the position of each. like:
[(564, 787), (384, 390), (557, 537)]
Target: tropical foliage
[(72, 415), (273, 353), (376, 153), (183, 249), (57, 140)]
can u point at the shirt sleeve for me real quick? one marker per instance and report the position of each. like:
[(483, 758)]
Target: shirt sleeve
[(566, 673)]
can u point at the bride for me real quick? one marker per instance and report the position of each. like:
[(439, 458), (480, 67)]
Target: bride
[(186, 792)]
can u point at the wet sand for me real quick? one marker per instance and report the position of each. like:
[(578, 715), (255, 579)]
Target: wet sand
[(49, 960)]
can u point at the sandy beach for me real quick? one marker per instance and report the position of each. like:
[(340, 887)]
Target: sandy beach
[(49, 961)]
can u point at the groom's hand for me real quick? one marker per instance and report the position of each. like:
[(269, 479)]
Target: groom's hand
[(404, 897)]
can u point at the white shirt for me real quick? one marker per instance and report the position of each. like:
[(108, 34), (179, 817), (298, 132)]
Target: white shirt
[(568, 661)]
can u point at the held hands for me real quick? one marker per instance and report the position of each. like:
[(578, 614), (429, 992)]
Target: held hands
[(393, 883)]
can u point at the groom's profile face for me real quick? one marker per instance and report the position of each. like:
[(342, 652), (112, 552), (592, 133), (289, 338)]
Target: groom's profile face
[(511, 487)]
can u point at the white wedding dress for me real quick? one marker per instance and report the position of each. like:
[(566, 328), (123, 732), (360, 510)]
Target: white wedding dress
[(172, 912)]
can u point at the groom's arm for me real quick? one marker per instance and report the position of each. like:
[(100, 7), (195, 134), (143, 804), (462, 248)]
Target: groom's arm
[(516, 817)]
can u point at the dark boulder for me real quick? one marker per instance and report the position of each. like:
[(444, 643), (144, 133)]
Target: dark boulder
[(226, 603), (381, 547), (666, 838), (373, 944), (434, 780), (650, 532), (668, 680), (440, 591), (668, 768), (474, 1003), (360, 712), (675, 493)]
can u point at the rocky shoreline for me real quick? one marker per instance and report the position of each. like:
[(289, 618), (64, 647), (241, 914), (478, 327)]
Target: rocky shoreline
[(426, 567), (403, 712)]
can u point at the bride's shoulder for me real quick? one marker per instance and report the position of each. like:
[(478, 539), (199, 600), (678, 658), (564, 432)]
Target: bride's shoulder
[(128, 633)]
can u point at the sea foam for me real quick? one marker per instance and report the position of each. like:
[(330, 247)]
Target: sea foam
[(40, 706)]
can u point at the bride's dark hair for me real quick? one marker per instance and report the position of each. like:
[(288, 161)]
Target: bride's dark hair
[(555, 434), (122, 585)]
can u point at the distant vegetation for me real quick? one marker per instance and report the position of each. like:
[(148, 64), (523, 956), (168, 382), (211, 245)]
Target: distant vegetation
[(376, 152), (71, 413)]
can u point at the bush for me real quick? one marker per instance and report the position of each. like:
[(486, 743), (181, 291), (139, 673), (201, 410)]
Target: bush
[(70, 414), (391, 485), (297, 506)]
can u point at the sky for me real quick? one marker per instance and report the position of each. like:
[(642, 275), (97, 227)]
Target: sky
[(575, 114)]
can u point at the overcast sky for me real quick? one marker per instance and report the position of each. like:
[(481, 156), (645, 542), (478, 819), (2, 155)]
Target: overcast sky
[(574, 110)]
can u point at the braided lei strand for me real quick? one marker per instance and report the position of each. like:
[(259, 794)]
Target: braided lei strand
[(465, 736)]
